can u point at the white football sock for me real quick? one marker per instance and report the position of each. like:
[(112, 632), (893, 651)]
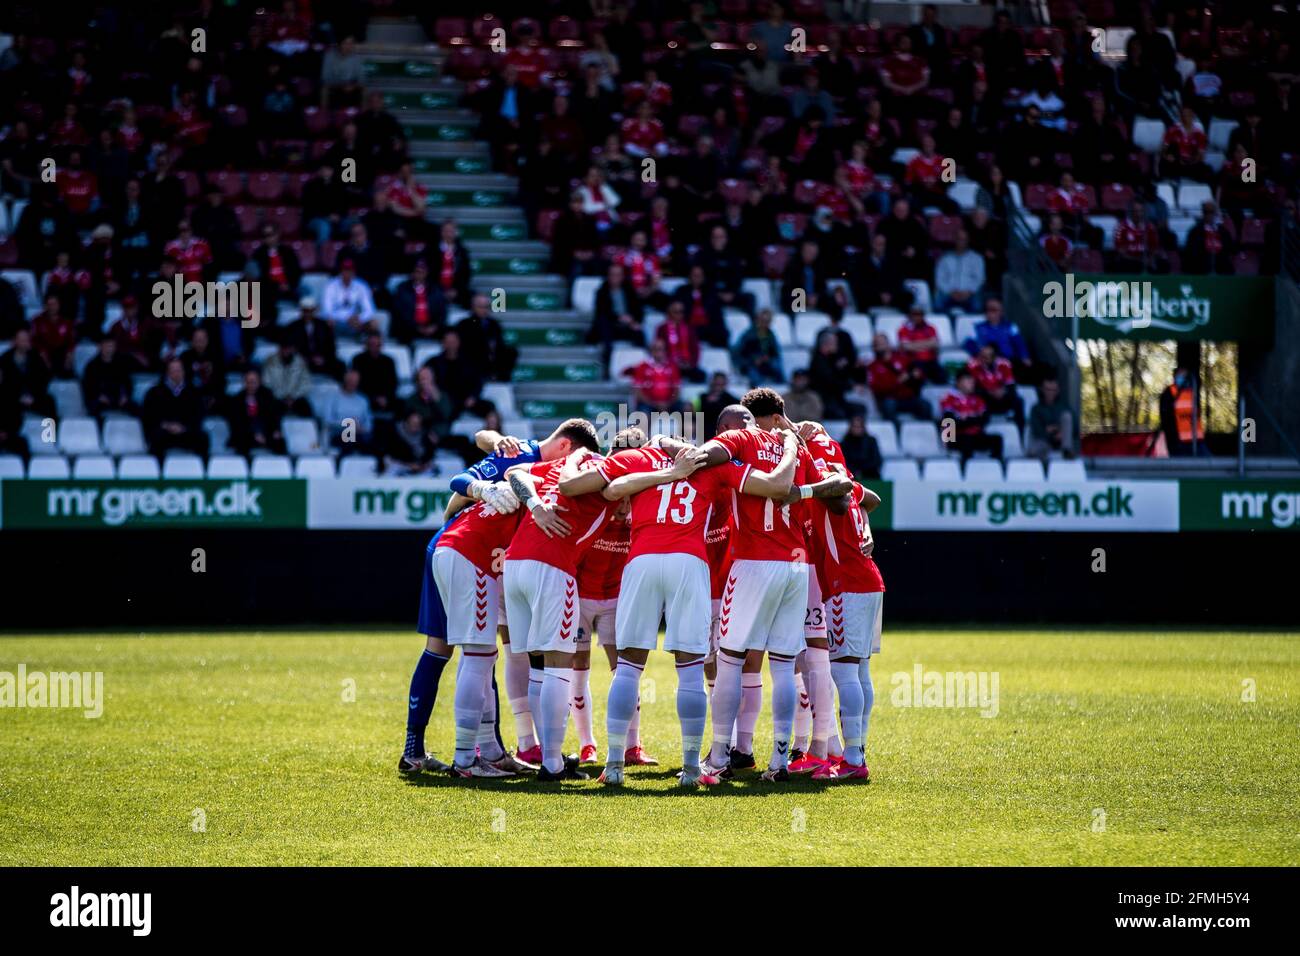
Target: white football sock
[(726, 705), (821, 694), (802, 714), (535, 677), (517, 670), (580, 706), (488, 748), (783, 705), (624, 693), (868, 699), (473, 678), (554, 704), (751, 705), (850, 687), (692, 709)]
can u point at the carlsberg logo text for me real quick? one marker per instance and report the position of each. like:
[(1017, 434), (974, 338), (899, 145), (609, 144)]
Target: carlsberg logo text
[(74, 908), (1126, 305)]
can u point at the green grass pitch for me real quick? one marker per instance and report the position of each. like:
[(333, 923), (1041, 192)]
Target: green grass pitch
[(1107, 748)]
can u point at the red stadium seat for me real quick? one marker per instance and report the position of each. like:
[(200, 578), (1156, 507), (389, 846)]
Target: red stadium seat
[(468, 62), (266, 187), (564, 28), (1087, 260), (329, 254), (482, 27), (288, 219), (316, 121), (944, 229), (1246, 263), (1036, 196), (1115, 197), (231, 184), (306, 253), (450, 29), (735, 9), (191, 181), (525, 27), (734, 190), (806, 192), (690, 126), (248, 219), (775, 259), (546, 223), (1253, 232)]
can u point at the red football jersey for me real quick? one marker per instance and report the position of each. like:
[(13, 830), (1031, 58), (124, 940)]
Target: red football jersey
[(763, 530), (672, 518), (717, 543), (586, 515), (600, 572), (846, 569), (481, 535)]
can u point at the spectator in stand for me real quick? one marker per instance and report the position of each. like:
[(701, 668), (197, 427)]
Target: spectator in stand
[(995, 382), (574, 242), (761, 74), (508, 112), (461, 380), (43, 230), (432, 405), (959, 277), (342, 75), (347, 419), (54, 334), (878, 280), (65, 284), (861, 450), (957, 139), (905, 77), (324, 207), (805, 288), (927, 176), (757, 353), (106, 383), (277, 264), (930, 40), (173, 415), (619, 312), (1030, 148), (483, 342), (453, 264), (681, 343), (1183, 152), (216, 224), (1137, 243), (642, 268), (907, 239), (702, 307), (1211, 243), (715, 400), (255, 415), (1100, 150), (1044, 97), (1005, 338), (288, 377), (1181, 423), (832, 373), (599, 201), (78, 189), (802, 404), (963, 415), (409, 448), (138, 340), (1005, 52), (988, 237), (811, 94), (1056, 245), (895, 382), (378, 374), (774, 33), (205, 369), (724, 270), (643, 134), (1051, 423), (839, 75), (419, 308), (347, 302), (379, 135), (315, 340), (192, 255), (919, 343), (656, 382), (12, 440), (371, 261), (409, 200), (25, 377)]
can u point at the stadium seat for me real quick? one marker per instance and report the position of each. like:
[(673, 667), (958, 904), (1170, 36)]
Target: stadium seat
[(761, 290), (888, 324), (401, 357), (860, 328), (1060, 470), (584, 293), (322, 391), (1220, 132), (24, 283), (35, 431), (624, 356), (1011, 447), (182, 466), (984, 469), (1027, 470), (48, 467), (358, 466), (921, 291), (964, 327), (79, 436), (227, 466), (300, 436), (313, 466), (807, 325), (920, 440), (138, 468), (1148, 134), (93, 467), (11, 466), (67, 397), (963, 193), (941, 469), (82, 355), (715, 360), (218, 430), (737, 323), (266, 467), (942, 328), (347, 351), (1192, 195), (502, 397), (900, 469), (886, 436)]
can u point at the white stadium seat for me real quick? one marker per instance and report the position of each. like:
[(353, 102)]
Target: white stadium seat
[(423, 352), (1011, 447), (358, 466), (322, 393), (314, 466), (964, 328), (921, 292), (67, 397), (401, 357), (807, 325), (886, 435), (761, 290), (963, 193), (123, 436), (1065, 471), (783, 329), (138, 468), (271, 466), (502, 395), (900, 469), (1148, 134), (1025, 470), (920, 440), (11, 466), (93, 467), (227, 466), (716, 360), (24, 283), (48, 467), (301, 436), (888, 324), (984, 469), (584, 293), (81, 356), (942, 328), (1220, 132), (79, 436), (941, 469), (182, 466), (737, 323), (1191, 196), (218, 430), (860, 328)]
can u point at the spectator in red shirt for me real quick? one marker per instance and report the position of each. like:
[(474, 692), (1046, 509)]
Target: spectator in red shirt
[(895, 382), (642, 269), (905, 76), (66, 284), (656, 383), (1137, 243), (643, 135), (924, 176), (995, 382), (191, 254), (963, 416), (54, 336), (1183, 155), (919, 343), (683, 345), (1210, 243), (1055, 243), (78, 188)]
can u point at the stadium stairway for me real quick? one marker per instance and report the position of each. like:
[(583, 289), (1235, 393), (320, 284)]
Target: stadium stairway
[(558, 374)]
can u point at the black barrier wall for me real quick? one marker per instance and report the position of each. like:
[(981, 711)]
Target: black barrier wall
[(59, 580)]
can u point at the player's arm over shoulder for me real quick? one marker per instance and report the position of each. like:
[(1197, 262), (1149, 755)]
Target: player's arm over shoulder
[(577, 480)]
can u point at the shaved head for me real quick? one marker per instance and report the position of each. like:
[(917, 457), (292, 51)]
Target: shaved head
[(734, 416)]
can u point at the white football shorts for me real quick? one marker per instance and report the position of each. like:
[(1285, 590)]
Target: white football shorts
[(596, 616), (674, 586), (814, 619), (854, 623), (763, 607), (541, 607), (470, 598)]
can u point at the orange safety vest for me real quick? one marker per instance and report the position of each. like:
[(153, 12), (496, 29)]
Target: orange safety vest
[(1185, 414)]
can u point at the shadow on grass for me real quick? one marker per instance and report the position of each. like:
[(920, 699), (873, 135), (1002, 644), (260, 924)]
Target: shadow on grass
[(742, 785)]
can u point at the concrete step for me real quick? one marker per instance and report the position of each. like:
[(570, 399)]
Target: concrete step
[(403, 101), (493, 249), (457, 127), (425, 66), (540, 282), (547, 336), (489, 267), (468, 165)]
